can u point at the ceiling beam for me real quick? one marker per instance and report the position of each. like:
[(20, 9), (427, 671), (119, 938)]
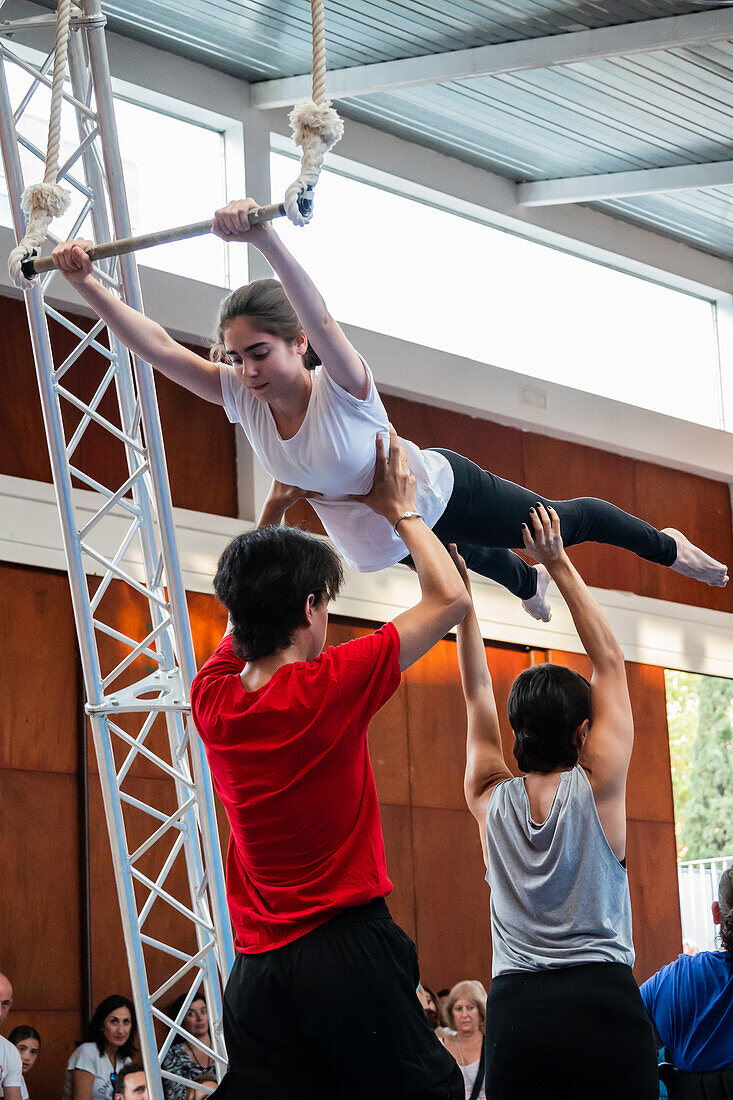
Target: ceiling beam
[(616, 185), (667, 33)]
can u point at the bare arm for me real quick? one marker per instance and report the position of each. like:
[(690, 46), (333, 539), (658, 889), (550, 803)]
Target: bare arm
[(82, 1084), (485, 764), (12, 1092), (607, 750), (279, 499), (341, 361), (444, 599), (142, 336)]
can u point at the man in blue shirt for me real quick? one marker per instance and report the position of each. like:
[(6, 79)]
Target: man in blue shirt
[(690, 1001)]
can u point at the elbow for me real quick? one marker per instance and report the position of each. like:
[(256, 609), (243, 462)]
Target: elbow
[(612, 659), (458, 604)]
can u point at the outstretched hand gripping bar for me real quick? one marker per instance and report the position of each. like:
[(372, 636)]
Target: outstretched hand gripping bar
[(34, 266)]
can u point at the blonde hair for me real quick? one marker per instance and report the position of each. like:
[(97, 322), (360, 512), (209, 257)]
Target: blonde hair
[(470, 991), (266, 303)]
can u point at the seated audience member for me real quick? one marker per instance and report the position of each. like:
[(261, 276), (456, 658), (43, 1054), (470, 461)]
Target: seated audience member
[(27, 1041), (465, 1008), (130, 1083), (426, 997), (320, 1003), (690, 1001), (564, 1017), (187, 1059), (107, 1047), (11, 1068)]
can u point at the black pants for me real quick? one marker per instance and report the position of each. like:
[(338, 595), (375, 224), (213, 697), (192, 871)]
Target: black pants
[(485, 513), (334, 1016), (577, 1033)]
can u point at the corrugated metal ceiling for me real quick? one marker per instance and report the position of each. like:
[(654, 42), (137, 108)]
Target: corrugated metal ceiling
[(650, 110)]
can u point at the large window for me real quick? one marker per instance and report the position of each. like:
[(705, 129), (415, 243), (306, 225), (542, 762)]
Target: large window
[(390, 263), (174, 174), (700, 721)]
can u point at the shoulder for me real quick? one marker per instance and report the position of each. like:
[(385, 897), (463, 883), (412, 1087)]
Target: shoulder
[(330, 389), (9, 1054), (368, 653), (666, 978), (86, 1057), (223, 663)]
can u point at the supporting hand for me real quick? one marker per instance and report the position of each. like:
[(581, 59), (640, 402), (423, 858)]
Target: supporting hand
[(460, 565), (280, 498), (544, 541), (393, 489)]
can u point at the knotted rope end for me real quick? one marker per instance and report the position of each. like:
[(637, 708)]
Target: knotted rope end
[(316, 121)]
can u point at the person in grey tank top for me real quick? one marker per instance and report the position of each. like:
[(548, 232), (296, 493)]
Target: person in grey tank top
[(564, 1014)]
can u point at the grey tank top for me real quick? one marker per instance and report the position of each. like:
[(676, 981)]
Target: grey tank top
[(559, 896)]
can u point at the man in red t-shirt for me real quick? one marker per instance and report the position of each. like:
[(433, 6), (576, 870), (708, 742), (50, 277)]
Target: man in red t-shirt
[(321, 1002)]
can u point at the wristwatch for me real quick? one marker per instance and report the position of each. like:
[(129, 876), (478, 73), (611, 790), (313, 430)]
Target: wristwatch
[(406, 515)]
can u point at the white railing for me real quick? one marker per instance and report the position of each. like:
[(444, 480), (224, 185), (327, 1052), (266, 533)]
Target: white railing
[(698, 884)]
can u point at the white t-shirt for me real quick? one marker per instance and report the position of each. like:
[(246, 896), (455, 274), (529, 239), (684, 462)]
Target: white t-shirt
[(87, 1057), (333, 453), (11, 1066)]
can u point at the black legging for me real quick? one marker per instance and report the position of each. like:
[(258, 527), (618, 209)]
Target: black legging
[(485, 513)]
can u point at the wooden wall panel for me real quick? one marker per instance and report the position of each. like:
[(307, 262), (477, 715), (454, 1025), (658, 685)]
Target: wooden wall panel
[(199, 440), (41, 938), (436, 729), (651, 859), (701, 509), (561, 471), (22, 441), (38, 677), (399, 848), (490, 445), (452, 898), (59, 1030), (109, 965), (200, 446), (649, 792)]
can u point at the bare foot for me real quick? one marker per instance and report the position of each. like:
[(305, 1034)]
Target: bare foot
[(692, 562), (538, 606)]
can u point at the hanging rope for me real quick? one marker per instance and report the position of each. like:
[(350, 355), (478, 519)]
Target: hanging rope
[(43, 202), (316, 128)]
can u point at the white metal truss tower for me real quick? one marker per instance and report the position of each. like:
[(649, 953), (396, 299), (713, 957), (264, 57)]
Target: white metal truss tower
[(126, 586)]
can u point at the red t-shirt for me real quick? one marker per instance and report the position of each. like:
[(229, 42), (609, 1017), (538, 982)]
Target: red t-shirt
[(291, 766)]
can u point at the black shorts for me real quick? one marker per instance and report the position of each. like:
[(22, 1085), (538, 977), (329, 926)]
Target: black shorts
[(576, 1033), (334, 1016)]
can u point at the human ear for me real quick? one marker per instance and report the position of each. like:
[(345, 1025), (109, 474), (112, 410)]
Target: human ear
[(581, 733), (716, 913)]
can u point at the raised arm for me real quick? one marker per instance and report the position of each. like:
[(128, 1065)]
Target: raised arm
[(485, 764), (607, 750), (144, 337), (341, 361), (444, 599)]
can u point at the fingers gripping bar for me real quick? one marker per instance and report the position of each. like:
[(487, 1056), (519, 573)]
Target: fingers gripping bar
[(34, 266)]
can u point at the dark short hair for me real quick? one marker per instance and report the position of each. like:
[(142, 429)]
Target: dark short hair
[(264, 578), (21, 1032), (95, 1030), (547, 703), (124, 1073)]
